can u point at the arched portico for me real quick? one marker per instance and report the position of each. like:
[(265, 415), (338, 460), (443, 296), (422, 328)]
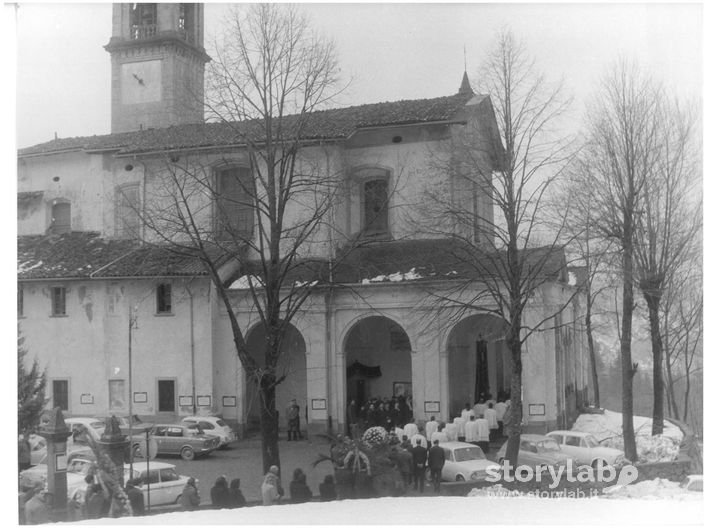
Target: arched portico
[(478, 361), (292, 364), (377, 359)]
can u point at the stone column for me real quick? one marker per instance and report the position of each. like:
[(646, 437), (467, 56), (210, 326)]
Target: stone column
[(114, 443), (56, 432)]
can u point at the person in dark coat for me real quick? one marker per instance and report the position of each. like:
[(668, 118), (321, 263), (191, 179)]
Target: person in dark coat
[(292, 416), (189, 496), (298, 489), (135, 497), (352, 416), (436, 461), (406, 465), (220, 497), (235, 497), (418, 454), (97, 501), (327, 489)]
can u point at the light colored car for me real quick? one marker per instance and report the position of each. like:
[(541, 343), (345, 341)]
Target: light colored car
[(186, 440), (165, 484), (464, 463), (215, 426), (138, 426), (77, 463), (77, 425), (585, 449), (537, 451), (693, 483)]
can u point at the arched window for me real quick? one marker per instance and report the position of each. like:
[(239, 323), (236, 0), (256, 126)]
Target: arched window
[(375, 207), (60, 218)]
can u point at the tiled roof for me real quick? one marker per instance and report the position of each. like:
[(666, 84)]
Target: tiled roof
[(337, 123), (434, 259), (86, 254)]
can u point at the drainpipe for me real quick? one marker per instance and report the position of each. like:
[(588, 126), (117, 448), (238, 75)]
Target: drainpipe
[(330, 357), (193, 349)]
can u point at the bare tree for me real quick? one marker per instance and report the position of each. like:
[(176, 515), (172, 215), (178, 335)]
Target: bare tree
[(667, 225), (622, 150), (264, 214), (508, 173)]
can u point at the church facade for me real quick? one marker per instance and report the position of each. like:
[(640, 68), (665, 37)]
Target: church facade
[(115, 320)]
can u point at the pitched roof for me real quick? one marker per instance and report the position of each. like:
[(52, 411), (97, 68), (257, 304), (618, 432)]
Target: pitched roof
[(85, 255), (337, 123)]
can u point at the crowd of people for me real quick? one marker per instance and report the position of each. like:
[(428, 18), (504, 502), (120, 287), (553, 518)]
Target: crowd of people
[(377, 412)]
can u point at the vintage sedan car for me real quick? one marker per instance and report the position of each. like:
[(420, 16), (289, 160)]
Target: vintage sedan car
[(81, 425), (213, 425), (585, 449), (164, 483), (464, 463), (187, 440), (537, 451), (78, 462)]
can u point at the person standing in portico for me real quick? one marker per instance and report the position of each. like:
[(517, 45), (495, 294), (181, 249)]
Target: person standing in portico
[(292, 415)]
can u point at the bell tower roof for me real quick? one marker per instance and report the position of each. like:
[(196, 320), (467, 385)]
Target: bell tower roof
[(465, 85)]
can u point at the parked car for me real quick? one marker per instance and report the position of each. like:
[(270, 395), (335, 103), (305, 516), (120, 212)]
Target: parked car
[(79, 425), (213, 425), (693, 483), (138, 426), (187, 440), (78, 461), (464, 463), (165, 484), (37, 448), (585, 449), (536, 451)]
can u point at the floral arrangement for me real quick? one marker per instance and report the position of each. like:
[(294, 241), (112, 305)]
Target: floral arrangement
[(374, 437)]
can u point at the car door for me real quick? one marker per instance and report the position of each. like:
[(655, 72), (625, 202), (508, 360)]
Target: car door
[(159, 434), (572, 447), (170, 485), (151, 479), (448, 467), (174, 439)]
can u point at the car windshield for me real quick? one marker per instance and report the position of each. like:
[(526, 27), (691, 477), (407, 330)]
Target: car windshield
[(591, 441), (464, 454), (548, 445)]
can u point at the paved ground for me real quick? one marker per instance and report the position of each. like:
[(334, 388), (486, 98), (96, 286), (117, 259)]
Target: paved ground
[(244, 461)]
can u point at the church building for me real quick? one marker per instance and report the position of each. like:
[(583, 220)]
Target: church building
[(113, 319)]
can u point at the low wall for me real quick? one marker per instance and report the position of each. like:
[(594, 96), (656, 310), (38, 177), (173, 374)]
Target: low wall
[(676, 471)]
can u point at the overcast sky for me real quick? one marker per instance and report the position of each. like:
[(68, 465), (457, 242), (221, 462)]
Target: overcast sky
[(390, 51)]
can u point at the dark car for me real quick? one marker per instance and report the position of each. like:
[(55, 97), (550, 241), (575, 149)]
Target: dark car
[(187, 440)]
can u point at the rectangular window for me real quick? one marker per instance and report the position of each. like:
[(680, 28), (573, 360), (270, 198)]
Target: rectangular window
[(60, 394), (127, 207), (376, 207), (164, 298), (58, 301), (116, 394), (235, 214), (166, 392), (61, 218), (20, 300)]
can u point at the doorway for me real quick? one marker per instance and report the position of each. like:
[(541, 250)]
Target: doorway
[(166, 390)]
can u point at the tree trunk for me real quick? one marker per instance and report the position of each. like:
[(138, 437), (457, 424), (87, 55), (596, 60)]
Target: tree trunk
[(672, 402), (628, 368), (513, 425), (270, 424), (591, 349), (652, 301)]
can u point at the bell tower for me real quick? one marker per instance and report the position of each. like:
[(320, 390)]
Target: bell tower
[(158, 64)]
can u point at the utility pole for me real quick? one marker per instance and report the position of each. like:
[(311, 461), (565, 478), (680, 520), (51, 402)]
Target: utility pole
[(132, 324)]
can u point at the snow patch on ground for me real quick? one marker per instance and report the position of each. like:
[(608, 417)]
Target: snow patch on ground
[(405, 511), (607, 429), (652, 489), (24, 267)]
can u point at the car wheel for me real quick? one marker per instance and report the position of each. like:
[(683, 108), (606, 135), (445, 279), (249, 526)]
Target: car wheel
[(187, 453), (459, 478)]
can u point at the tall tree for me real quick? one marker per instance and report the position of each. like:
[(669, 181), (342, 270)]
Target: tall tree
[(31, 388), (622, 150), (668, 224), (512, 180), (265, 211)]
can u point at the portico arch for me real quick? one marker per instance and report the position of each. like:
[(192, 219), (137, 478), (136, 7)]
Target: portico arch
[(377, 359), (478, 361), (291, 364)]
